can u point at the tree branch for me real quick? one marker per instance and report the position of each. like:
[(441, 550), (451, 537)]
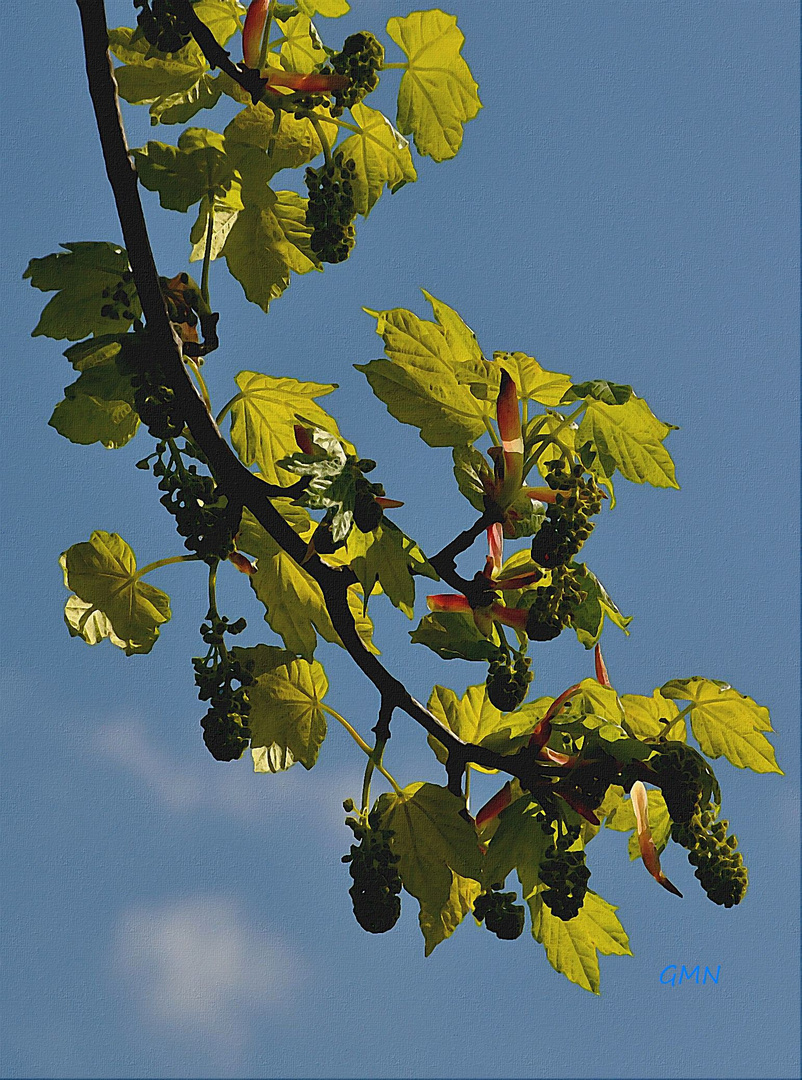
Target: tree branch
[(249, 79), (478, 590), (240, 485)]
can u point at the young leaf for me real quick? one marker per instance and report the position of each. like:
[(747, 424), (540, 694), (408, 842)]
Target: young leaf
[(600, 390), (461, 339), (381, 156), (471, 468), (623, 820), (533, 382), (473, 718), (329, 9), (81, 274), (85, 620), (643, 715), (418, 383), (587, 620), (517, 844), (195, 169), (264, 416), (630, 438), (102, 573), (302, 49), (437, 94), (294, 606), (291, 141), (175, 86), (389, 559), (572, 947), (96, 350), (434, 844), (269, 239), (98, 407), (726, 723), (453, 636), (286, 721), (220, 211)]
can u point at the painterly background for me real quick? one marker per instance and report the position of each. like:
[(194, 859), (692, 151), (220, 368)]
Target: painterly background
[(624, 207)]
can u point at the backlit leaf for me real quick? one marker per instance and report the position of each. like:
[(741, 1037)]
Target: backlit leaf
[(381, 156), (329, 9), (726, 723), (98, 407), (453, 636), (437, 94), (630, 438), (518, 843), (301, 50), (388, 559), (198, 167), (434, 844), (102, 573), (643, 715), (587, 620), (572, 947)]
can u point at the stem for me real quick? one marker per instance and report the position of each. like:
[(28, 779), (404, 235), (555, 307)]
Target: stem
[(389, 67), (374, 760), (491, 431), (273, 132), (226, 409), (201, 383), (207, 255), (324, 142), (360, 742), (677, 718), (165, 562), (468, 787)]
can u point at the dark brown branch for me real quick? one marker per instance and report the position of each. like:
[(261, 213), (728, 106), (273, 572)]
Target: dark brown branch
[(250, 81), (477, 590), (240, 485)]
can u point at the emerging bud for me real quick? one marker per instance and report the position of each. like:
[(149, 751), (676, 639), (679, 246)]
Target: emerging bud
[(252, 32), (601, 668), (243, 564), (648, 850), (508, 417)]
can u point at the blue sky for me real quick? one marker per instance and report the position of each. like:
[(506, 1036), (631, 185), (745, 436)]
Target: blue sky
[(624, 207)]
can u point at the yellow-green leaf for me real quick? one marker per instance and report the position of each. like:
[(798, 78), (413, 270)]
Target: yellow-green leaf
[(643, 715), (629, 437), (572, 947), (438, 93), (381, 156), (264, 416), (435, 845), (102, 573), (389, 557), (473, 718), (302, 49), (329, 9), (291, 141), (726, 723), (517, 843), (286, 721)]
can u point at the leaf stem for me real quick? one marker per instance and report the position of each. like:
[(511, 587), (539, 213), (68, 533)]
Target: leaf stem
[(164, 562), (491, 431), (677, 718), (195, 367), (360, 742), (265, 43), (226, 409), (374, 760), (207, 255), (324, 142)]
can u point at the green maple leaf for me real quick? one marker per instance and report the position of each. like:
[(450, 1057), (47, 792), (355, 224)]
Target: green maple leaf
[(533, 382), (79, 275), (629, 438), (437, 851), (268, 240), (726, 723), (389, 558), (302, 49), (264, 415), (471, 468), (98, 407), (293, 601), (419, 383), (381, 156), (438, 94), (587, 620), (195, 169), (453, 636), (329, 9), (102, 574), (622, 819), (292, 141), (518, 843), (473, 718), (600, 390), (643, 715), (572, 947), (286, 720)]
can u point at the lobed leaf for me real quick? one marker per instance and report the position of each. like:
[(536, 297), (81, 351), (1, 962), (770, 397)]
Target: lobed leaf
[(518, 843), (726, 723), (392, 559), (643, 715), (102, 573), (438, 93), (182, 175), (286, 720), (79, 275), (302, 49), (381, 156), (453, 636), (572, 947), (587, 620), (98, 407), (473, 718), (435, 845), (629, 438)]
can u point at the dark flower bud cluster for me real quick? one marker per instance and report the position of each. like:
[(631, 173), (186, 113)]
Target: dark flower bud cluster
[(719, 867), (119, 298), (552, 606), (508, 681), (330, 212), (367, 512), (225, 725), (203, 517), (361, 58), (162, 25), (680, 773), (376, 884), (567, 525), (499, 912), (565, 876)]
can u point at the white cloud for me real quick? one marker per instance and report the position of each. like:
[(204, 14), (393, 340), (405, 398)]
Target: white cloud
[(198, 967), (185, 787)]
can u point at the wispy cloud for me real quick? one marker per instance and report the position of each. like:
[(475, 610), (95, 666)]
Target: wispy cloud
[(198, 967), (185, 787)]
